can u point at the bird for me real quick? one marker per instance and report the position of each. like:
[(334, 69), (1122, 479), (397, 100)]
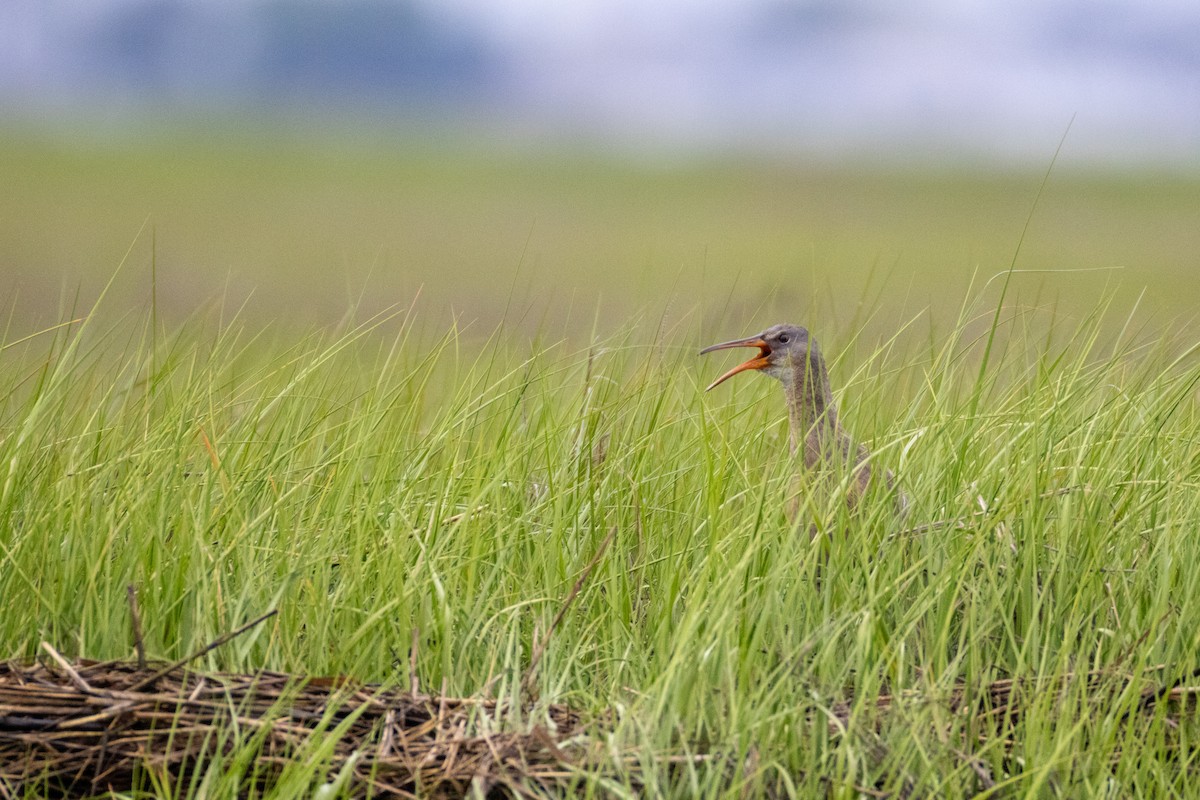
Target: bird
[(789, 354)]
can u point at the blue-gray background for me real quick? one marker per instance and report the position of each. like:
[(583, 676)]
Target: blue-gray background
[(996, 81)]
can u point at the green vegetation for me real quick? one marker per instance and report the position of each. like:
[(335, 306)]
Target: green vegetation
[(374, 479), (391, 473)]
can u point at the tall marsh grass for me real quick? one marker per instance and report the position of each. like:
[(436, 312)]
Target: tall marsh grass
[(386, 478)]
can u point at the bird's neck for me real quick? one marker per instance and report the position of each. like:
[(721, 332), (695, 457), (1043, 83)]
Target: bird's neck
[(811, 411)]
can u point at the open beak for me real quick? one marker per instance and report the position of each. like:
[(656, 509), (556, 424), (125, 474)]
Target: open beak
[(758, 362)]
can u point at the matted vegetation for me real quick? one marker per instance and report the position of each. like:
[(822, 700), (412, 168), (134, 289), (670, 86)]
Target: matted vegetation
[(85, 728), (122, 726), (421, 502)]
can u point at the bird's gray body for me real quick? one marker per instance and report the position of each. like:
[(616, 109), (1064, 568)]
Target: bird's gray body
[(791, 356)]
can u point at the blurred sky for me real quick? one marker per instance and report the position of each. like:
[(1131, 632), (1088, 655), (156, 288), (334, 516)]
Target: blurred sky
[(932, 78)]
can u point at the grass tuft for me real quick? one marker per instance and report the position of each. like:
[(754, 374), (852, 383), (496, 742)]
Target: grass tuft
[(386, 484)]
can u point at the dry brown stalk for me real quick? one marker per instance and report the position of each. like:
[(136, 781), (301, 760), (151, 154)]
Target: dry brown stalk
[(213, 645), (135, 619)]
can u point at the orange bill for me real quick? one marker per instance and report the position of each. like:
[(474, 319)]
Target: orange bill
[(758, 362)]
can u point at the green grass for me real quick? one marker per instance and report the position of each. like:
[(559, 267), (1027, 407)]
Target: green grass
[(390, 475), (452, 467)]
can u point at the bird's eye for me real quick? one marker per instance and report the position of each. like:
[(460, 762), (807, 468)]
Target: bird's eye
[(784, 338)]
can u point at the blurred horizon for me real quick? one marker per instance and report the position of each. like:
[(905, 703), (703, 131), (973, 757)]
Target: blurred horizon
[(974, 82), (297, 158)]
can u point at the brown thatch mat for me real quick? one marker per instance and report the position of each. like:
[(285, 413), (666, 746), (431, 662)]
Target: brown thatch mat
[(91, 727)]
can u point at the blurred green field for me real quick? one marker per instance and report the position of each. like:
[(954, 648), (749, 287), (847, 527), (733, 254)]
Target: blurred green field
[(297, 229)]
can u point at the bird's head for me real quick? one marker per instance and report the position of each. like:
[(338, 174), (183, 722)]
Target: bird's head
[(781, 349)]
